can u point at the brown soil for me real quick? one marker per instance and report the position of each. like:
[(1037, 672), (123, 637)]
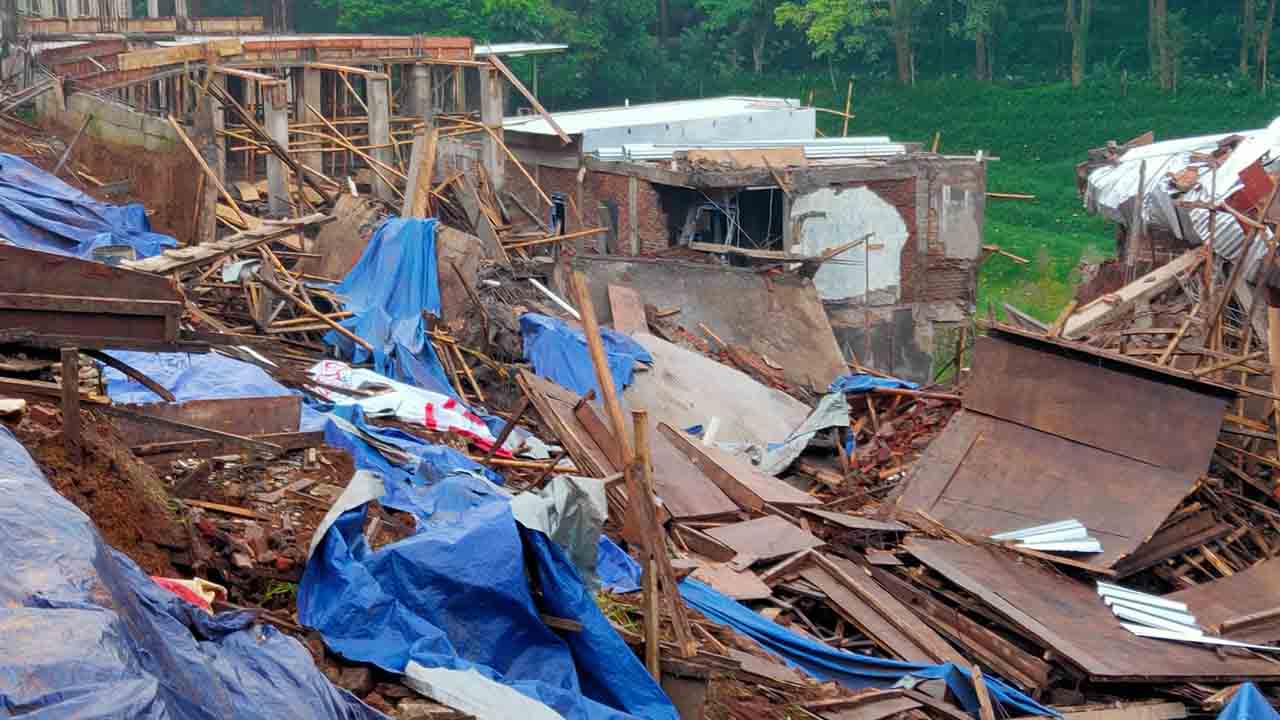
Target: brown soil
[(125, 497)]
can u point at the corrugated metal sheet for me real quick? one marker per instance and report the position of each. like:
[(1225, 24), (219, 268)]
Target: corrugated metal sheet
[(1112, 190), (577, 121)]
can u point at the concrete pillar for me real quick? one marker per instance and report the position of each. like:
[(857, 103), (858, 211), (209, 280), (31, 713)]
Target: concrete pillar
[(491, 109), (153, 8), (218, 119), (277, 112), (181, 12), (311, 96), (423, 99), (379, 101)]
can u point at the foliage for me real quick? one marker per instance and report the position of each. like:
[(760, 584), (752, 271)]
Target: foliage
[(835, 27)]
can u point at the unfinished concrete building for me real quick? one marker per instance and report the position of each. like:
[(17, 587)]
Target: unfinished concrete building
[(746, 181)]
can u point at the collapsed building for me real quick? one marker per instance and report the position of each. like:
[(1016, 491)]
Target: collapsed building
[(391, 399)]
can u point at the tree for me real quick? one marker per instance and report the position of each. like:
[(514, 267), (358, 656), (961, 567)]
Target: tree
[(832, 26), (752, 19), (1248, 32), (1163, 42), (1078, 26), (1264, 45), (900, 12), (979, 24)]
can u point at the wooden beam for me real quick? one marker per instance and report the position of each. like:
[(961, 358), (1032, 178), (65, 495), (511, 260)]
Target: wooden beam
[(132, 372), (71, 438), (1113, 305), (196, 430), (533, 101), (209, 173), (604, 378)]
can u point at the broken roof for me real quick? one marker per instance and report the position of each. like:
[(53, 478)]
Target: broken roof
[(576, 122)]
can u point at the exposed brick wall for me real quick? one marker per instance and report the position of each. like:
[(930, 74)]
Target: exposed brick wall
[(598, 188)]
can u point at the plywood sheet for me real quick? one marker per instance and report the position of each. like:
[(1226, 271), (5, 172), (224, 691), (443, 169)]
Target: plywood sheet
[(627, 309), (1068, 617), (765, 538), (1252, 591), (555, 406), (685, 491), (856, 522), (984, 475), (1144, 418), (737, 584), (748, 487)]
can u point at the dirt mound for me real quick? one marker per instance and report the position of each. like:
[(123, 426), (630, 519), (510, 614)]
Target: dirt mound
[(125, 497)]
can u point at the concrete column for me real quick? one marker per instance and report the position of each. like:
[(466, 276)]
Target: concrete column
[(277, 112), (491, 95), (218, 120), (181, 12), (423, 99), (153, 8), (379, 101), (310, 96)]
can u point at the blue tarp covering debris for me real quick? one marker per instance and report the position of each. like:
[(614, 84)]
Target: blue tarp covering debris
[(197, 376), (1249, 704), (455, 595), (40, 212), (113, 644), (621, 573), (394, 281), (863, 382), (559, 353)]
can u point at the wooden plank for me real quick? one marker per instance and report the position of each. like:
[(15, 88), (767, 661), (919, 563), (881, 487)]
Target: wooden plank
[(985, 710), (1153, 710), (627, 310), (1066, 617), (71, 438), (228, 509), (555, 406), (1156, 422), (684, 490), (246, 442), (991, 649), (765, 538), (602, 436), (193, 52), (242, 416), (857, 581), (738, 584), (703, 544), (869, 706), (748, 487), (533, 101), (1103, 310), (1253, 591), (867, 619), (82, 304), (32, 271), (855, 522)]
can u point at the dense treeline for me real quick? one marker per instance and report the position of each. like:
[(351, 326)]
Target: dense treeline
[(642, 50)]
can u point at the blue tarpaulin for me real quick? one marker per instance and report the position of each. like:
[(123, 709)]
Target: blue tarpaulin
[(455, 595), (197, 376), (864, 382), (1249, 704), (559, 353), (85, 634), (621, 573), (387, 291), (40, 212)]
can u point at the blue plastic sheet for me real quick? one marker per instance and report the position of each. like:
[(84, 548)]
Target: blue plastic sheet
[(455, 594), (621, 573), (40, 212), (559, 353), (1249, 704), (388, 289), (85, 634), (197, 376), (863, 382)]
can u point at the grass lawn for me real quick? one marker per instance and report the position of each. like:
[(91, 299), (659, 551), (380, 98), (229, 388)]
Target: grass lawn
[(1039, 133)]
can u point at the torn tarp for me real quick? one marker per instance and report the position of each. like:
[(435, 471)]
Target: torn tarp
[(559, 353), (40, 212), (85, 633), (619, 572), (865, 382), (391, 286), (1249, 704), (197, 376), (451, 608)]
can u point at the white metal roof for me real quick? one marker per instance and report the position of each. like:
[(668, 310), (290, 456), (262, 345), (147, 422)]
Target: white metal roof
[(517, 49), (578, 121)]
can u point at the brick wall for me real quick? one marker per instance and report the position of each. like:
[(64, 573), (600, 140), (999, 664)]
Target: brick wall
[(598, 188)]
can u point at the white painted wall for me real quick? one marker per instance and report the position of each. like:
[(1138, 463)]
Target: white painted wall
[(836, 217)]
